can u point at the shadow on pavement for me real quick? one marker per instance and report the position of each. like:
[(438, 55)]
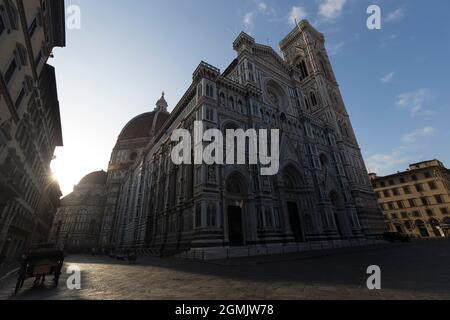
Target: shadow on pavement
[(422, 266)]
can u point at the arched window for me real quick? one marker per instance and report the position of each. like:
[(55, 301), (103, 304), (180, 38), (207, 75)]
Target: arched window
[(10, 15), (240, 106), (209, 91), (21, 54), (307, 103), (231, 103), (324, 160), (313, 98), (303, 70), (222, 98)]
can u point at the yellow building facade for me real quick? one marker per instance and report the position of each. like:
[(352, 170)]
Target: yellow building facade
[(417, 201)]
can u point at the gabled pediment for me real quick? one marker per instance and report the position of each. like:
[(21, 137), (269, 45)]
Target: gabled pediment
[(268, 54)]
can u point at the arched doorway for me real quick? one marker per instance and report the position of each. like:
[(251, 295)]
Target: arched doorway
[(236, 189), (292, 182)]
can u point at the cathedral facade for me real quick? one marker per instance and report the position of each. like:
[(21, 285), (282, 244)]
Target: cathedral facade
[(77, 222), (322, 191)]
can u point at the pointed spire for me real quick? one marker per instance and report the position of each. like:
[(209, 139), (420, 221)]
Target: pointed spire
[(161, 104)]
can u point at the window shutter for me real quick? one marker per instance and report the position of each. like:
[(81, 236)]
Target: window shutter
[(28, 84), (21, 55), (11, 14)]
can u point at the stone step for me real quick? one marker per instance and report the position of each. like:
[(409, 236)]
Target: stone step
[(218, 253)]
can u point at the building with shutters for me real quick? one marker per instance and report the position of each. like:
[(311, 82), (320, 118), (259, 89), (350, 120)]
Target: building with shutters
[(416, 201), (30, 125)]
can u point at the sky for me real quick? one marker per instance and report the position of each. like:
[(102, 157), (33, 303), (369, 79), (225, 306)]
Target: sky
[(394, 80)]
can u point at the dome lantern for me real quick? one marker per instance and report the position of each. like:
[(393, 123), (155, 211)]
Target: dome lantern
[(161, 104)]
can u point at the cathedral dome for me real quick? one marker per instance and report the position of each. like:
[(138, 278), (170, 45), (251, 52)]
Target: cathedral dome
[(94, 178), (147, 124)]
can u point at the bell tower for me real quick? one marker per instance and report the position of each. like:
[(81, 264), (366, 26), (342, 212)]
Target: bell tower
[(304, 50)]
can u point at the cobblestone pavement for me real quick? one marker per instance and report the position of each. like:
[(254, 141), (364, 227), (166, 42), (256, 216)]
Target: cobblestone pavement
[(420, 270)]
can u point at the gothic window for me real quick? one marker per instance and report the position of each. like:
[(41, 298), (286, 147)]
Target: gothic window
[(222, 98), (209, 114), (209, 91), (301, 66), (231, 103), (9, 15), (324, 160), (240, 106), (307, 103), (313, 99)]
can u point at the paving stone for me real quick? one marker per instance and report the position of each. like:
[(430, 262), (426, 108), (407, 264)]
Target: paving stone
[(411, 271)]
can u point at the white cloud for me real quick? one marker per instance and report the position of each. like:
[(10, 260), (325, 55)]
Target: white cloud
[(297, 14), (249, 20), (407, 152), (261, 8), (383, 164), (331, 9), (395, 15), (264, 8), (336, 48), (388, 77), (414, 101), (419, 133)]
